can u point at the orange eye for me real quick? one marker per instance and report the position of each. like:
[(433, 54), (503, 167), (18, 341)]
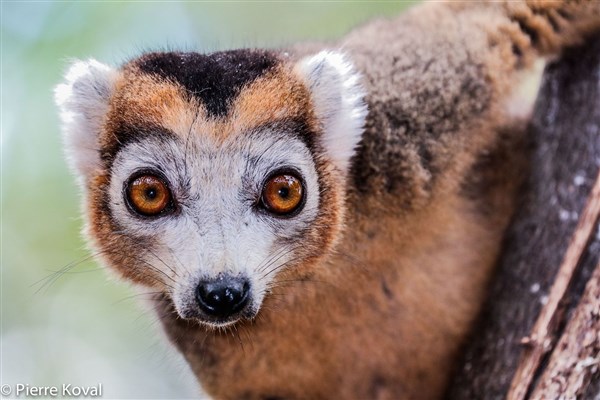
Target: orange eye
[(148, 195), (282, 194)]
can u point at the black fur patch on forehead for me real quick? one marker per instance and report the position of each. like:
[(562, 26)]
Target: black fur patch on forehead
[(215, 79)]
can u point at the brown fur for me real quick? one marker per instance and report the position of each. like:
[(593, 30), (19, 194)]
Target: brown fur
[(336, 337), (277, 96), (430, 193)]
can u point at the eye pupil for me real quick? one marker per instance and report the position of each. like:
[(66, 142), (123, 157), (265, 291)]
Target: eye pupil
[(151, 193), (284, 193)]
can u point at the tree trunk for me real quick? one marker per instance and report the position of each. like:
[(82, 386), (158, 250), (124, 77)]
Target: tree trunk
[(565, 156)]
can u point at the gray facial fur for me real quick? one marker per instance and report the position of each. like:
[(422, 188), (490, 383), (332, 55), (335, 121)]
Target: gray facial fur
[(217, 227)]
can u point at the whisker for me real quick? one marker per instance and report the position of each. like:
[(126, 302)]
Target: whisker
[(239, 338), (55, 275), (134, 296), (261, 265), (187, 140), (276, 268), (285, 253), (161, 261)]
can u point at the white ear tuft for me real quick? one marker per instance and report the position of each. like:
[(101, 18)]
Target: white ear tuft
[(83, 102), (338, 98)]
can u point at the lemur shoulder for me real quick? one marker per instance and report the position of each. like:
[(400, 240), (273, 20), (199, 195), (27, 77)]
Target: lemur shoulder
[(322, 221)]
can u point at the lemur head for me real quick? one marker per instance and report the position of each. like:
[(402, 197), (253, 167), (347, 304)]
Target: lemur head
[(209, 177)]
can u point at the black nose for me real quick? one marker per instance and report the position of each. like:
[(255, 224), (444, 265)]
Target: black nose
[(224, 296)]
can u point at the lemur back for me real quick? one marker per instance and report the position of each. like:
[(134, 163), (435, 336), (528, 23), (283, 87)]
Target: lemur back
[(320, 226)]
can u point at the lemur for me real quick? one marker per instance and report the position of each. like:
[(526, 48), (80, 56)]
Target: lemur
[(321, 221)]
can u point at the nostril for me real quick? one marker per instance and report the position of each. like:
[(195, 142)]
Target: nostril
[(223, 297)]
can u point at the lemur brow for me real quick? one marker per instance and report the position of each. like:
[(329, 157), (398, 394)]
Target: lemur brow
[(214, 79)]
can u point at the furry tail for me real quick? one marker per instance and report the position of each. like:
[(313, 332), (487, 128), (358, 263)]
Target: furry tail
[(550, 25), (534, 28)]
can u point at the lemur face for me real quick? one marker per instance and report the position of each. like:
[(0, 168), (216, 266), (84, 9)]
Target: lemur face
[(209, 177)]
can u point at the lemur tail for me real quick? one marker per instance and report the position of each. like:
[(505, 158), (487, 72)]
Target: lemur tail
[(550, 25), (536, 27)]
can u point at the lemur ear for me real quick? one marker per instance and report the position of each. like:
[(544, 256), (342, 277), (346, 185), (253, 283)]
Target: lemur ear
[(338, 98), (83, 102)]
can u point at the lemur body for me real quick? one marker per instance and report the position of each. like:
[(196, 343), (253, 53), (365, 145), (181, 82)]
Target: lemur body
[(367, 288)]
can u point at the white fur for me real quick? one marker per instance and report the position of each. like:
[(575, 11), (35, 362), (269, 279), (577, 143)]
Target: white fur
[(338, 98), (216, 229), (519, 104), (83, 101)]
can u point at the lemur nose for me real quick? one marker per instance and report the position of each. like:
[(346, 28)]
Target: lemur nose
[(223, 297)]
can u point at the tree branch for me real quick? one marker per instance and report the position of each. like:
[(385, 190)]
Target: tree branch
[(542, 337), (576, 357)]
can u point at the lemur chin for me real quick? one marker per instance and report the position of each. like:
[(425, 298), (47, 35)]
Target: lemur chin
[(341, 206)]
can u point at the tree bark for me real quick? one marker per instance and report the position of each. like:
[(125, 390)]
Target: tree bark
[(575, 359), (565, 156), (543, 337)]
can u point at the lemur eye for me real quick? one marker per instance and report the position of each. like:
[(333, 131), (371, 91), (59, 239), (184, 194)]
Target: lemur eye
[(283, 194), (148, 195)]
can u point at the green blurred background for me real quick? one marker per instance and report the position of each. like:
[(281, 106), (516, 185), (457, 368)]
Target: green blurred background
[(84, 328)]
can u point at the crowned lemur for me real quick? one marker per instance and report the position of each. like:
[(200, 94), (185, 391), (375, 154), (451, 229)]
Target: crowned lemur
[(321, 221)]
